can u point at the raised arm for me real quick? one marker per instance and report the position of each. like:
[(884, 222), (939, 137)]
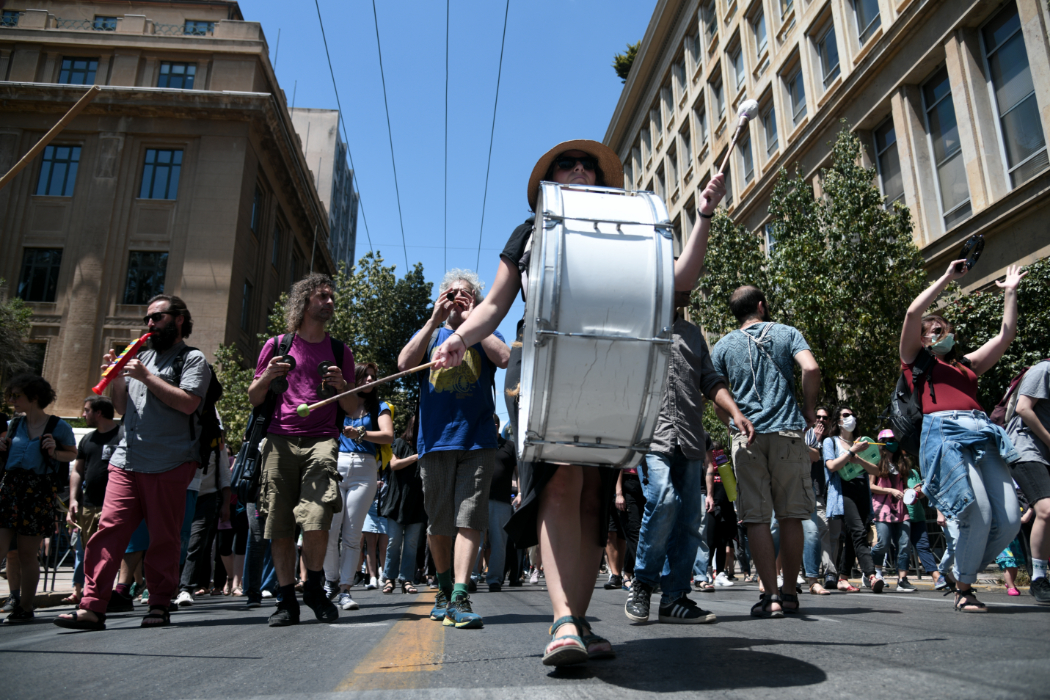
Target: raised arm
[(689, 264), (412, 354), (911, 332), (984, 358), (484, 319)]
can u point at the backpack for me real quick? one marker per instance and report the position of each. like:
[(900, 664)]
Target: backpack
[(56, 472), (905, 409), (1004, 410), (211, 428)]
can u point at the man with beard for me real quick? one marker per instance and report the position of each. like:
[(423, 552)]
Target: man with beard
[(300, 479), (456, 443), (151, 467)]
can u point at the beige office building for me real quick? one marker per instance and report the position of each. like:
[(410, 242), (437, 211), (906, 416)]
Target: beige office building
[(184, 176), (950, 99)]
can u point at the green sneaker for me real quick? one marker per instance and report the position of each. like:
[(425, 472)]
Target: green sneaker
[(440, 603), (458, 614)]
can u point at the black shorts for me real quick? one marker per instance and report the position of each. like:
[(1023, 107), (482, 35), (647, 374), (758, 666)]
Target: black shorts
[(1033, 478)]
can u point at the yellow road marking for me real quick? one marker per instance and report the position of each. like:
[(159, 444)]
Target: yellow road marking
[(414, 645)]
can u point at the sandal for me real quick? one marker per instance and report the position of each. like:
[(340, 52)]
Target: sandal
[(848, 588), (816, 588), (764, 601), (164, 616), (229, 586), (71, 599), (407, 587), (789, 599), (962, 606), (73, 621), (571, 650), (200, 592), (388, 588), (238, 591), (704, 586), (750, 578), (598, 647)]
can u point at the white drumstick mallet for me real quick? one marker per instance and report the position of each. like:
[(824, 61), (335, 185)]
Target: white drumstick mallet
[(748, 111)]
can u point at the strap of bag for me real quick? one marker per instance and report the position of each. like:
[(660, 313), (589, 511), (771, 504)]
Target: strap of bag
[(758, 343)]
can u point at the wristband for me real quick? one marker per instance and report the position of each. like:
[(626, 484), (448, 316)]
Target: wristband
[(454, 334), (703, 215)]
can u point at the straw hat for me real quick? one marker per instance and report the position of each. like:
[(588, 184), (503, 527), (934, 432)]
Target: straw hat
[(608, 162)]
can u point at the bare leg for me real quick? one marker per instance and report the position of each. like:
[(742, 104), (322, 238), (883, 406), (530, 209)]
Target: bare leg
[(467, 543), (238, 569), (760, 540), (315, 544), (791, 542), (27, 549), (282, 550), (615, 549), (370, 555), (381, 542), (1039, 538), (1009, 573)]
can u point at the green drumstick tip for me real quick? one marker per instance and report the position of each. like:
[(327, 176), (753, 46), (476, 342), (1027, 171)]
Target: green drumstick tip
[(303, 410)]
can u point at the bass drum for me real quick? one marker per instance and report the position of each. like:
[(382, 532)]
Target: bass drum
[(598, 317)]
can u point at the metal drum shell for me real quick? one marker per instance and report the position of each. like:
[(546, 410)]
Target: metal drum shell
[(598, 318)]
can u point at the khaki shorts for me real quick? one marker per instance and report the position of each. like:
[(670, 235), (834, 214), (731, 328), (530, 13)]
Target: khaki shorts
[(772, 476), (87, 521), (456, 489), (300, 484)]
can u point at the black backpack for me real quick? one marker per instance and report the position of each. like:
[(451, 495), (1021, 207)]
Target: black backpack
[(211, 429), (905, 409), (56, 472)]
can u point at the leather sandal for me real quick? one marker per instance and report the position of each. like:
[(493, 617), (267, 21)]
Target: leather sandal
[(407, 587), (571, 649), (848, 588), (789, 599), (763, 607), (815, 588), (388, 587), (164, 616), (598, 647), (73, 621), (961, 605)]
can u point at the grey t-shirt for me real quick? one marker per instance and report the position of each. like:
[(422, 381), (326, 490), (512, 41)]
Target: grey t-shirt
[(157, 437), (1036, 384), (763, 389)]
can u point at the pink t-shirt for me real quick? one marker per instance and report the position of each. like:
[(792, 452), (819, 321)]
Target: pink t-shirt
[(887, 508), (303, 384)]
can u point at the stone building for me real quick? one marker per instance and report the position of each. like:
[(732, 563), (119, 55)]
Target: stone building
[(185, 176), (950, 99), (326, 153)]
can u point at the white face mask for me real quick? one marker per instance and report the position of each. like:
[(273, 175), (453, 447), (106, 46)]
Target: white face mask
[(849, 423)]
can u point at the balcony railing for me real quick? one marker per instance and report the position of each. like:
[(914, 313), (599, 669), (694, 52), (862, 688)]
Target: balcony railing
[(10, 19), (99, 24)]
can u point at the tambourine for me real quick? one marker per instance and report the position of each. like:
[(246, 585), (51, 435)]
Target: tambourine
[(971, 251)]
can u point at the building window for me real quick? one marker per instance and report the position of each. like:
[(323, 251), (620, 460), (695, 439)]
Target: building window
[(736, 60), (676, 236), (647, 143), (868, 19), (197, 28), (747, 160), (693, 44), (145, 276), (275, 254), (636, 156), (105, 24), (701, 123), (718, 94), (39, 281), (888, 162), (729, 183), (678, 69), (658, 121), (709, 22), (786, 7), (769, 126), (177, 75), (58, 171), (828, 50), (672, 169), (796, 90), (78, 71), (246, 306), (687, 151), (257, 210), (160, 174), (297, 265), (667, 103), (10, 18), (943, 134), (758, 28), (661, 184), (771, 241), (1010, 78)]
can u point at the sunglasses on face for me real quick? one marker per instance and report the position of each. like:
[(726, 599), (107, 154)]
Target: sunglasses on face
[(845, 414), (822, 417), (569, 162), (155, 317)]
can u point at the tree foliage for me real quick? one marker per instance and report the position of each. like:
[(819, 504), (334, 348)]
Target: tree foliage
[(842, 271), (978, 316), (236, 376), (14, 332), (622, 62)]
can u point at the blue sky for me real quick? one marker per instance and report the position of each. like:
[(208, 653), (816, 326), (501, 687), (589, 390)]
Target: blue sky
[(557, 84)]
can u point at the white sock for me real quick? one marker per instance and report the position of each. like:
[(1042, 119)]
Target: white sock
[(878, 571), (1038, 568)]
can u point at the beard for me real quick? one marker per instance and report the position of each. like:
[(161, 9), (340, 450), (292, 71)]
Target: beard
[(163, 338)]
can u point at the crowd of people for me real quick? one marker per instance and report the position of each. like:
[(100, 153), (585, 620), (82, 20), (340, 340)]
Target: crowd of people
[(343, 501)]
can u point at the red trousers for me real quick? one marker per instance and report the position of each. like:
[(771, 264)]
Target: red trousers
[(160, 499)]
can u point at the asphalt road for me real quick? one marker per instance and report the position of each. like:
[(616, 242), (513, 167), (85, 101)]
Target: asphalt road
[(858, 645)]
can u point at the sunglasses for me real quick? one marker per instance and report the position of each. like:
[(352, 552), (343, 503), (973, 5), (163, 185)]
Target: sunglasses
[(845, 414), (155, 317), (822, 417), (569, 162)]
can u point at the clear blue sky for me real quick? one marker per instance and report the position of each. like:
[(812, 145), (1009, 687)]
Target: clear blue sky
[(557, 84)]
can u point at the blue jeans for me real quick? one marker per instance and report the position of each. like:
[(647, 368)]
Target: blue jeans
[(187, 525), (920, 539), (888, 532), (401, 550), (499, 515), (78, 566), (674, 511), (951, 532), (703, 552), (811, 547)]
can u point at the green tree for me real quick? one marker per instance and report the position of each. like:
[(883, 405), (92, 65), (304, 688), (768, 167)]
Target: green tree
[(14, 332), (622, 62), (235, 375), (842, 271), (978, 316)]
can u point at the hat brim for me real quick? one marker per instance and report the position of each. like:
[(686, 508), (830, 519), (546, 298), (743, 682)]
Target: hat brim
[(608, 162)]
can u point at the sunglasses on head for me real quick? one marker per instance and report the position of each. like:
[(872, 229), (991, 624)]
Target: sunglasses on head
[(569, 162), (155, 317)]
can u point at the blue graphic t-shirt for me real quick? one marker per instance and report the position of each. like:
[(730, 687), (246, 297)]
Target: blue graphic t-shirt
[(456, 404), (348, 445)]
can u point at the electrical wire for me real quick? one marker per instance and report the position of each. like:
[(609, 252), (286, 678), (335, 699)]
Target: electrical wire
[(353, 170), (492, 135), (448, 4), (390, 135)]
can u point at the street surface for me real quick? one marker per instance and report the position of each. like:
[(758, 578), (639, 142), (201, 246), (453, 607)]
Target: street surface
[(857, 645)]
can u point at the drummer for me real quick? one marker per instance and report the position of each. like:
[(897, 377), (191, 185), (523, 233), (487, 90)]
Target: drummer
[(563, 506)]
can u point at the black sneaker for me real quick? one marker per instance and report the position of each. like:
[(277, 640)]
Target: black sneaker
[(637, 606), (495, 587), (285, 615), (253, 602), (11, 603), (615, 582), (903, 586), (1040, 590), (685, 612), (118, 603), (18, 616), (324, 609), (472, 586)]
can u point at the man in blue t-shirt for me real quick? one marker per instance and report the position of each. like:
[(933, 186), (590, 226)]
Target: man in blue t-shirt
[(773, 472), (456, 443)]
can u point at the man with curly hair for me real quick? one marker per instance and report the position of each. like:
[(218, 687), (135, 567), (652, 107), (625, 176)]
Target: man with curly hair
[(299, 485), (456, 442)]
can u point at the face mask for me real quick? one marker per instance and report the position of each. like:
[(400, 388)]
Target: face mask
[(944, 345), (849, 423), (892, 445)]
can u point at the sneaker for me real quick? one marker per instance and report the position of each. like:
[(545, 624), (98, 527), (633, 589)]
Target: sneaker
[(440, 604), (331, 589), (372, 584), (184, 599), (495, 587), (136, 588), (267, 594), (345, 602), (119, 602), (942, 583), (722, 581), (285, 615), (614, 582), (1040, 590), (535, 577), (324, 609), (11, 604), (876, 584), (459, 614), (903, 586), (18, 616), (685, 612), (253, 602), (144, 598), (432, 583), (637, 606)]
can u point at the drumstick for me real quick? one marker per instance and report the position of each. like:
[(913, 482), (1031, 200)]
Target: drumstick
[(304, 410), (748, 111)]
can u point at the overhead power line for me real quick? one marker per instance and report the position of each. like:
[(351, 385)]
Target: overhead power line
[(353, 170), (492, 135), (390, 134)]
